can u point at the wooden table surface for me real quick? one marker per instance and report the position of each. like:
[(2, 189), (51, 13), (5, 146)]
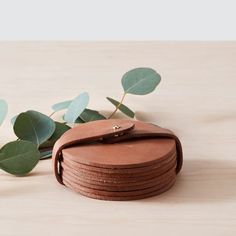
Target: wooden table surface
[(196, 99)]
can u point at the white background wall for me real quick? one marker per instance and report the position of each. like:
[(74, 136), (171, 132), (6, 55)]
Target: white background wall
[(118, 20)]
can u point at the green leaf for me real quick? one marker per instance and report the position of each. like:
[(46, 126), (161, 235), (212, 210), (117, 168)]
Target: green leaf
[(79, 121), (60, 129), (19, 157), (34, 126), (122, 107), (140, 81), (45, 154), (3, 110), (13, 120), (76, 107), (61, 105), (90, 115)]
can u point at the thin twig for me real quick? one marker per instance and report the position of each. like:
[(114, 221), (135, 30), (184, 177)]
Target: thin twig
[(52, 114), (117, 107)]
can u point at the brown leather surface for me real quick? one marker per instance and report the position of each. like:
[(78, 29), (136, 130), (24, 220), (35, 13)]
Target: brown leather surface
[(94, 159), (118, 180), (123, 198), (122, 154), (119, 193), (127, 186), (98, 170)]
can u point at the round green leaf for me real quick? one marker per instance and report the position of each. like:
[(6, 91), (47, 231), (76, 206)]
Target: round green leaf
[(140, 81), (19, 157), (34, 126), (79, 121), (122, 107), (3, 110), (90, 115), (76, 107), (60, 129), (61, 105), (45, 154), (13, 119)]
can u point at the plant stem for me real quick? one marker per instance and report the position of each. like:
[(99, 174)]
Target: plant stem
[(52, 114), (117, 107)]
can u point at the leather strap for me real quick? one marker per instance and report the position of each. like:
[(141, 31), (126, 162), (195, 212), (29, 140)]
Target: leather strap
[(110, 131)]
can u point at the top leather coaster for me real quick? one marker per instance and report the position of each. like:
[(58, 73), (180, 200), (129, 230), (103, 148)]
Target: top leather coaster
[(126, 154)]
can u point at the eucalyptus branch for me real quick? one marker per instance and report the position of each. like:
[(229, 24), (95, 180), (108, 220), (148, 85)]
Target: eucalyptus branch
[(117, 107), (37, 133)]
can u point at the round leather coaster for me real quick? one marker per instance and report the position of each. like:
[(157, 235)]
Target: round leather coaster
[(118, 178), (128, 154), (136, 170), (128, 186), (118, 193), (123, 198), (124, 183)]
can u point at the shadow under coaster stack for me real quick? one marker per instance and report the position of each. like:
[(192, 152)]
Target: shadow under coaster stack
[(117, 159)]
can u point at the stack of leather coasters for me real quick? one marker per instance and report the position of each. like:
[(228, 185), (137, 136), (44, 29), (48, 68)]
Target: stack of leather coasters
[(117, 159)]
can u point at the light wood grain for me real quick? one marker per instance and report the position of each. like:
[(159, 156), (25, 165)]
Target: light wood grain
[(196, 99)]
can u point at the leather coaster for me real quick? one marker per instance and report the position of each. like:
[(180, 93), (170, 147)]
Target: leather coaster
[(118, 178), (127, 186), (119, 193), (117, 159), (124, 171), (123, 198), (128, 154)]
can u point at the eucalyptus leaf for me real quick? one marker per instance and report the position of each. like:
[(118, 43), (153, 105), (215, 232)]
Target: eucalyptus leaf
[(90, 115), (3, 110), (122, 107), (34, 126), (19, 157), (61, 105), (13, 119), (60, 129), (46, 144), (45, 154), (79, 121), (140, 81), (76, 107)]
